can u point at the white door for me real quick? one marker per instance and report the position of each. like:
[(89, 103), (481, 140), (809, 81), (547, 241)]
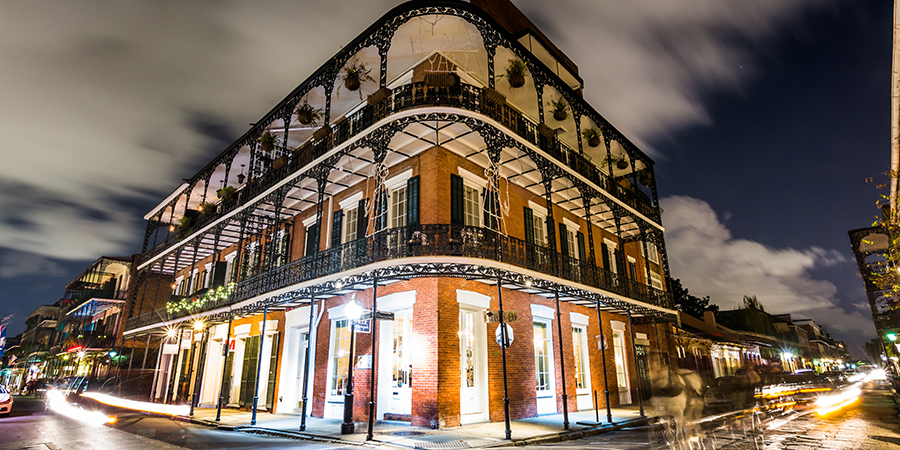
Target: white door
[(584, 398), (544, 368), (396, 366), (473, 367)]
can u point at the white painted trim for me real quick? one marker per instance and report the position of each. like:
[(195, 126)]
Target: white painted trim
[(397, 301), (397, 180), (571, 225), (543, 312), (242, 331), (473, 299), (640, 335), (230, 257), (471, 177), (309, 221), (610, 243), (177, 192), (338, 312), (271, 326), (578, 318), (542, 210), (351, 201), (617, 325)]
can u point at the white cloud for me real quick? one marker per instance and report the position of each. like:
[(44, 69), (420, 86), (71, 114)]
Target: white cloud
[(710, 261), (16, 265), (109, 105)]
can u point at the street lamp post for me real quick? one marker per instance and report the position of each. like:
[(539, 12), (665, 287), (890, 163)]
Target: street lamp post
[(353, 311)]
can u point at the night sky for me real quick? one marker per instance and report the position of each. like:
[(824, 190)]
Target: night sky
[(769, 122)]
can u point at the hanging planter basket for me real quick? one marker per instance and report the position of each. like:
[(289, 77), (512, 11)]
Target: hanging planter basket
[(560, 115), (622, 164), (516, 81), (645, 179), (267, 142), (352, 83), (594, 141), (379, 96)]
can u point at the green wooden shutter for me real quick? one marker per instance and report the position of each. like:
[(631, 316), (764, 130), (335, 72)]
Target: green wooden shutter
[(620, 261), (412, 201), (582, 255), (337, 223), (312, 240), (550, 229), (273, 370), (529, 225), (362, 217), (381, 205), (604, 250), (248, 370), (456, 200), (563, 239)]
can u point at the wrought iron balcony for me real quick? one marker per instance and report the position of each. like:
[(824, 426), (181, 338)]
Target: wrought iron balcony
[(405, 97), (433, 240)]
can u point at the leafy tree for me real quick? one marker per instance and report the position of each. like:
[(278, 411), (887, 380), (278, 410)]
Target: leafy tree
[(756, 319), (690, 304)]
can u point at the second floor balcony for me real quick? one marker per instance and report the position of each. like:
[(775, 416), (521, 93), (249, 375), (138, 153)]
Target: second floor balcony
[(416, 244)]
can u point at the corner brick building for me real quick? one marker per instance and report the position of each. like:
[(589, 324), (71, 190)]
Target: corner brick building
[(439, 182)]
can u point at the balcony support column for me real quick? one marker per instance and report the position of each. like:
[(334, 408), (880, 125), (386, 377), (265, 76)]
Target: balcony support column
[(587, 198), (491, 52), (383, 48), (198, 376), (562, 364), (278, 201), (144, 367), (309, 335), (225, 349), (254, 157), (238, 270), (576, 114), (262, 342)]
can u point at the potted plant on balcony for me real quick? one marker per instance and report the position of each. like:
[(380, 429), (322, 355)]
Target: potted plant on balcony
[(227, 193), (267, 141), (493, 97), (559, 108), (515, 73), (620, 162), (645, 177), (592, 136), (207, 208), (354, 74), (308, 115)]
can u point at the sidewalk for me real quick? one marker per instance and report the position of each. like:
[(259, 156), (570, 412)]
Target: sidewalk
[(548, 428)]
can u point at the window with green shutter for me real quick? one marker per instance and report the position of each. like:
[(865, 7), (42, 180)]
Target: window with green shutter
[(456, 200)]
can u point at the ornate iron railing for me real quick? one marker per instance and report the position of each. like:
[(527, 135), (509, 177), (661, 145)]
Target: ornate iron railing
[(427, 240), (405, 97)]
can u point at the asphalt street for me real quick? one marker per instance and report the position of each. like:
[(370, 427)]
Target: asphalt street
[(870, 423), (31, 427)]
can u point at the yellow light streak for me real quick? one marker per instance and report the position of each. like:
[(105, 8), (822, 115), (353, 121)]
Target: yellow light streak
[(158, 408)]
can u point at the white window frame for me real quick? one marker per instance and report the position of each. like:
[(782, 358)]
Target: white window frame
[(348, 234), (611, 247), (652, 252), (393, 209), (477, 184), (308, 222), (656, 282), (544, 316), (572, 229)]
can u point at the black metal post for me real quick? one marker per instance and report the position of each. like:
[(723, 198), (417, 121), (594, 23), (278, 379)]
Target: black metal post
[(371, 428), (562, 365), (224, 367), (144, 367), (603, 358), (505, 340), (312, 307), (201, 364), (634, 357), (262, 341), (347, 426)]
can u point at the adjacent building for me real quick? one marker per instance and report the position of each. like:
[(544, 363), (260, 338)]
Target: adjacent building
[(417, 174)]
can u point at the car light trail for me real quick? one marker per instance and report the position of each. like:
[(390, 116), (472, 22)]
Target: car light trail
[(158, 408), (831, 403), (56, 401)]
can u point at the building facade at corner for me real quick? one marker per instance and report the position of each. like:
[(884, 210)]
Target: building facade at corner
[(438, 184)]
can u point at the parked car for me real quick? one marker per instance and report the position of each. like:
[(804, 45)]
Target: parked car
[(6, 402)]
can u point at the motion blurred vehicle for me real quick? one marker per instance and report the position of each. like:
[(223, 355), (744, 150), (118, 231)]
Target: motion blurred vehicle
[(797, 389), (729, 393), (6, 402)]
